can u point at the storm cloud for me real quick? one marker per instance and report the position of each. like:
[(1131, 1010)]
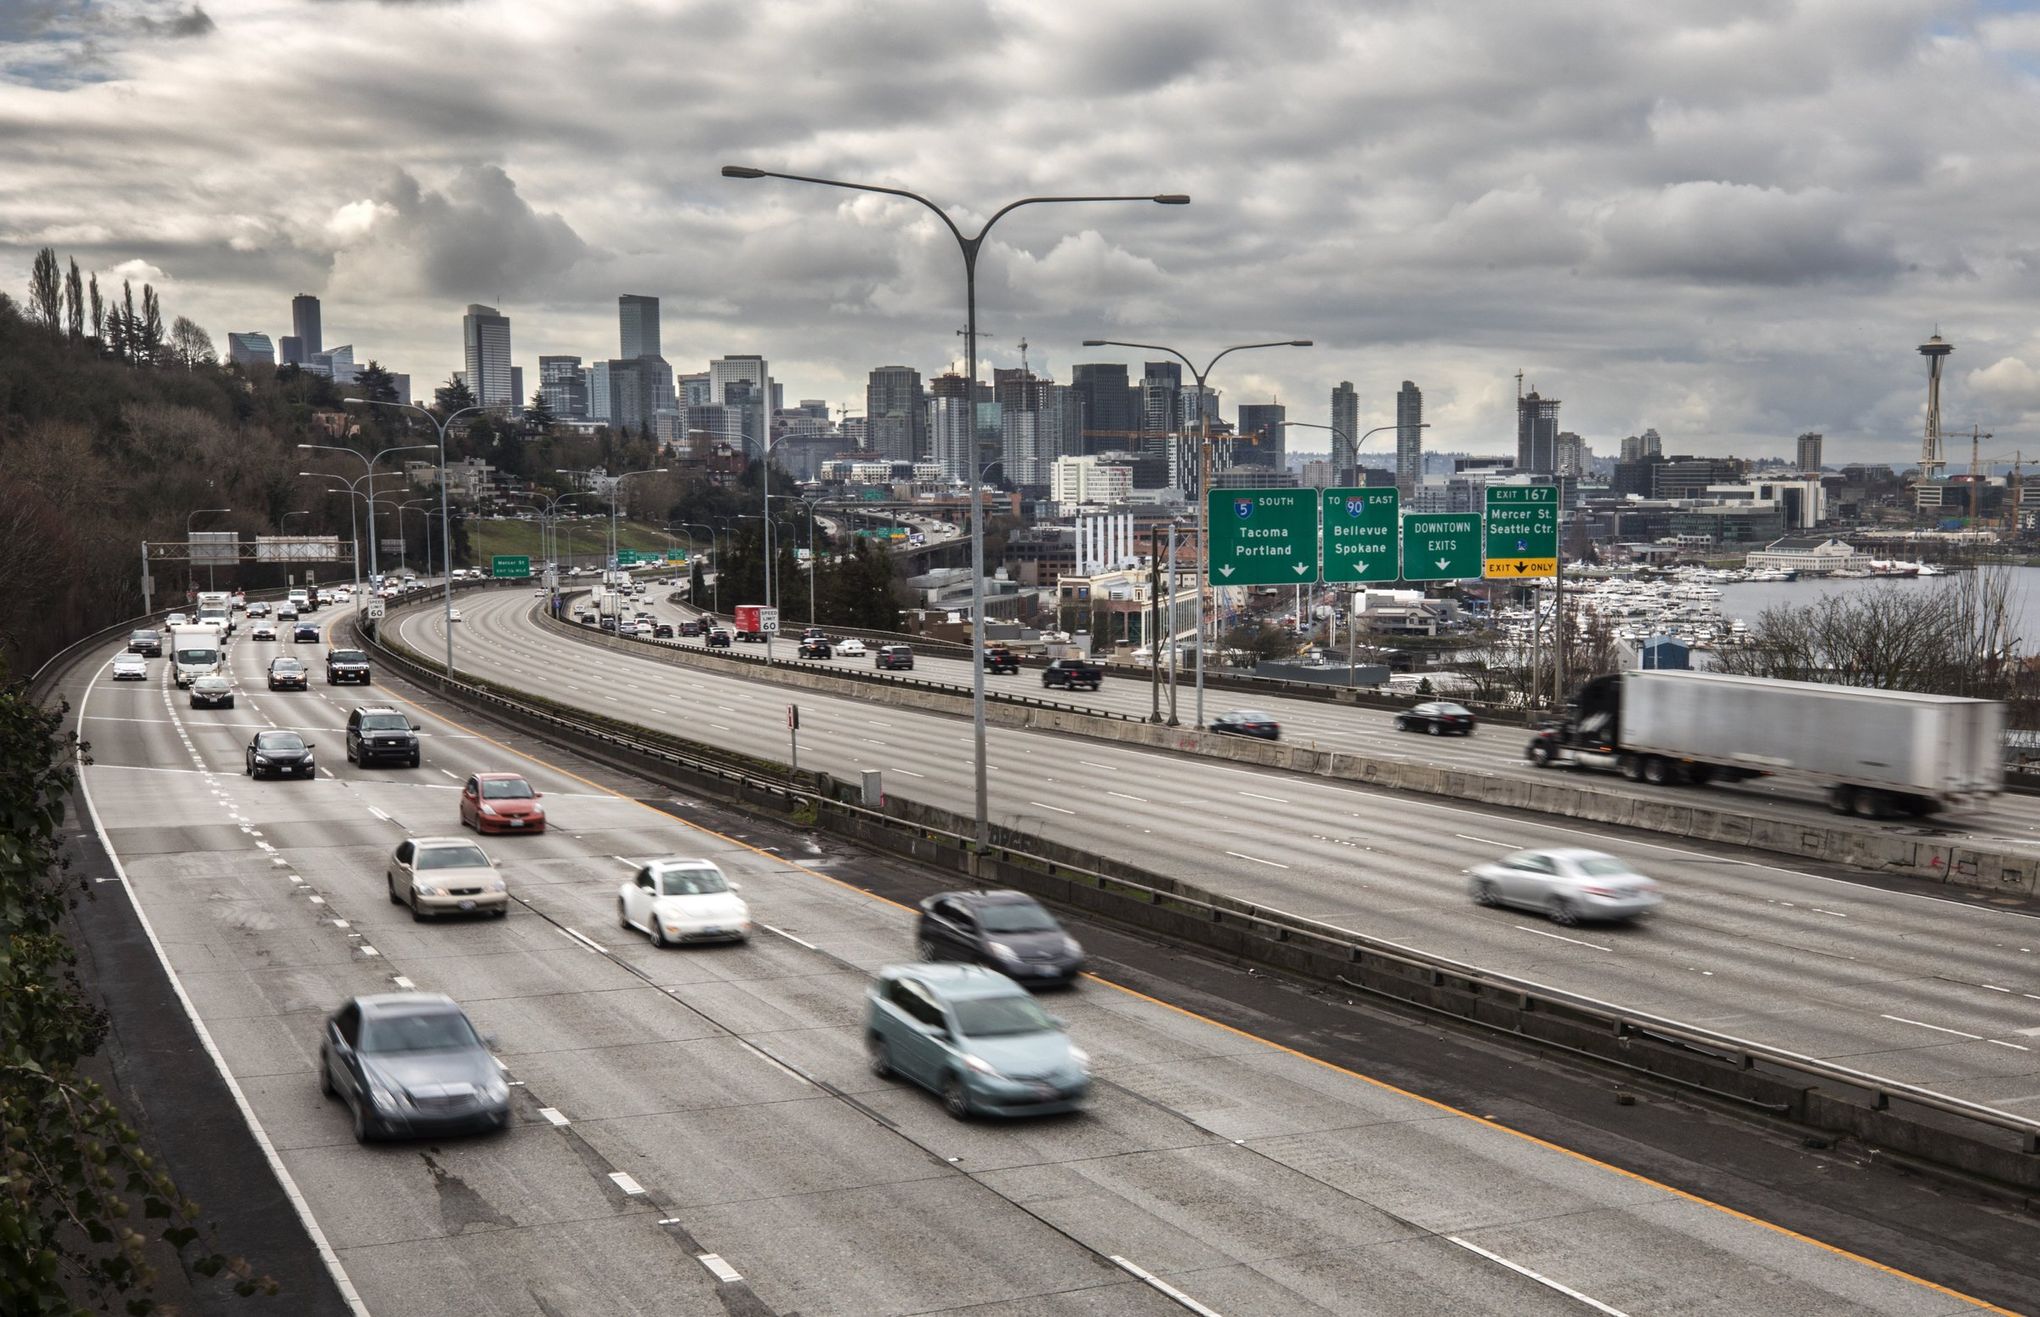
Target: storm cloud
[(1730, 220)]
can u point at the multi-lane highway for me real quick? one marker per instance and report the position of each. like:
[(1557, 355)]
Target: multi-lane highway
[(1931, 990), (696, 1131)]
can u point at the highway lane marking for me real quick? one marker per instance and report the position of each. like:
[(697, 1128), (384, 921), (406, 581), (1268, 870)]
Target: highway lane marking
[(1258, 796), (1160, 1286), (1485, 841), (626, 1183), (1936, 1028), (1380, 1085), (1257, 860), (583, 939), (450, 773), (1057, 808), (718, 1268), (402, 982), (552, 1115), (1123, 796), (788, 936), (1999, 1042), (1542, 932), (1540, 1278), (1836, 913), (908, 772), (379, 814)]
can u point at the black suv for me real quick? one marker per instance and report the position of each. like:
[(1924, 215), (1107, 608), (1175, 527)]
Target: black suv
[(376, 732), (346, 665), (816, 647), (145, 641), (1073, 674), (1009, 931), (1000, 659), (899, 658)]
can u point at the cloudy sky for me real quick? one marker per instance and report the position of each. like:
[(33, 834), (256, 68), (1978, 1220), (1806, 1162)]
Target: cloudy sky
[(1732, 220)]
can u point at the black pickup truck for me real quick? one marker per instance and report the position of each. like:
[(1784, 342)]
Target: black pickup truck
[(998, 658), (1073, 674)]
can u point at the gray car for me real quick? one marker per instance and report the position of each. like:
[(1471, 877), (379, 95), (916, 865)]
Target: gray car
[(976, 1038), (1566, 885), (411, 1063)]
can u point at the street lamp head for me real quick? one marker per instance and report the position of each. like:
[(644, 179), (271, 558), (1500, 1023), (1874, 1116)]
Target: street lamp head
[(741, 171), (1301, 343), (1094, 342), (350, 402), (1172, 199)]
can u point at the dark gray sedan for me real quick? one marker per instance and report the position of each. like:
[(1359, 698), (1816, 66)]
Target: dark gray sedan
[(280, 754), (411, 1063)]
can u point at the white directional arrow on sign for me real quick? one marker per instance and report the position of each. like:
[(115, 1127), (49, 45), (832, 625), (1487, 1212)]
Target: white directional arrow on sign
[(1225, 570), (1300, 568), (1359, 567), (1443, 563)]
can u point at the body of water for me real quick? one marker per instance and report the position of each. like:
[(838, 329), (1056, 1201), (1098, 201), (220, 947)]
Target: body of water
[(1749, 599)]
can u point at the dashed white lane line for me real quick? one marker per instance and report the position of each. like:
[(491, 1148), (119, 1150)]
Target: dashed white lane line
[(584, 940), (1057, 808), (1160, 1286), (1977, 1037), (1256, 859), (1485, 841), (908, 772), (718, 1268), (450, 773), (403, 983), (1999, 1042), (626, 1183), (1123, 796), (379, 814), (788, 936), (1539, 1277), (552, 1115), (1544, 932)]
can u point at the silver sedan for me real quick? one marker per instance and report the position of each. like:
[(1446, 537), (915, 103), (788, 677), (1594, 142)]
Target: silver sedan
[(1566, 886)]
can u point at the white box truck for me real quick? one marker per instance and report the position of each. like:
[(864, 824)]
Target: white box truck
[(1874, 752), (196, 650)]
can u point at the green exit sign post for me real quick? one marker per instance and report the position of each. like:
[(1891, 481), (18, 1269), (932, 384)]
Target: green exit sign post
[(510, 564), (1522, 531), (1440, 546), (1361, 535), (1263, 536)]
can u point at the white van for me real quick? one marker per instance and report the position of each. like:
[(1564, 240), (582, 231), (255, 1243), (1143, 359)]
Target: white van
[(195, 651)]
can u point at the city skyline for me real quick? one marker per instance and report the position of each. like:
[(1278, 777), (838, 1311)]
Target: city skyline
[(1734, 230)]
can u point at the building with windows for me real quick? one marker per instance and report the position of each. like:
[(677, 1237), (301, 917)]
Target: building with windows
[(638, 325), (304, 325), (1642, 447), (1111, 413), (290, 351), (748, 368), (1809, 555), (1161, 401), (485, 333), (1689, 477), (337, 365), (564, 386), (693, 389), (1085, 481), (1802, 502), (1409, 438), (896, 413), (1041, 421), (1345, 433), (1261, 435), (250, 350), (952, 436), (1537, 433), (1809, 453)]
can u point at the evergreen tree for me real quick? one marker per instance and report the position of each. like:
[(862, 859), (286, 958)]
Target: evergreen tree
[(98, 309), (127, 324), (46, 289), (74, 304), (151, 336), (538, 417), (453, 396), (377, 384)]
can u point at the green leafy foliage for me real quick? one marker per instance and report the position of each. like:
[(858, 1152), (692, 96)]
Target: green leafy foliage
[(80, 1197)]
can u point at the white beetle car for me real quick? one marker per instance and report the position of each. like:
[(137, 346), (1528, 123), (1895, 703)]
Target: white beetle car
[(683, 901)]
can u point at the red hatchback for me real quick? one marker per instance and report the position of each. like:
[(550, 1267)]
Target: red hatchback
[(500, 802)]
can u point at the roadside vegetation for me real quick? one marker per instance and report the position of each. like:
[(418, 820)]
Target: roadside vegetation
[(86, 1214)]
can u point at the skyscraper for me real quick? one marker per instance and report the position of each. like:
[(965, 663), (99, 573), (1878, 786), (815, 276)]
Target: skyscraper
[(1261, 437), (250, 350), (486, 335), (1409, 440), (638, 318), (304, 324), (723, 371), (1161, 388), (1041, 421), (290, 350), (894, 413), (598, 391), (564, 386), (1108, 406), (1537, 433), (633, 392), (952, 435), (1641, 447), (518, 398), (1345, 433), (1809, 452)]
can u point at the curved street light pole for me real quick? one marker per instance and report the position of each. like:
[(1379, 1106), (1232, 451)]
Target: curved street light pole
[(1203, 470), (353, 487), (714, 560), (970, 246), (368, 461), (440, 424)]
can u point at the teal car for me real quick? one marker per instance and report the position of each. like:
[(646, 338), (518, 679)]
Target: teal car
[(974, 1037)]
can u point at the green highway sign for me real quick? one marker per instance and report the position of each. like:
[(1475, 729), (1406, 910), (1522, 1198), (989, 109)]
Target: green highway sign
[(510, 564), (626, 557), (1522, 531), (1262, 536), (1440, 546), (1360, 541), (676, 555)]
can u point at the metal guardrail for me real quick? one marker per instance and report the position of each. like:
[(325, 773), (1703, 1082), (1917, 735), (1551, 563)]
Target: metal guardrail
[(1425, 975)]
